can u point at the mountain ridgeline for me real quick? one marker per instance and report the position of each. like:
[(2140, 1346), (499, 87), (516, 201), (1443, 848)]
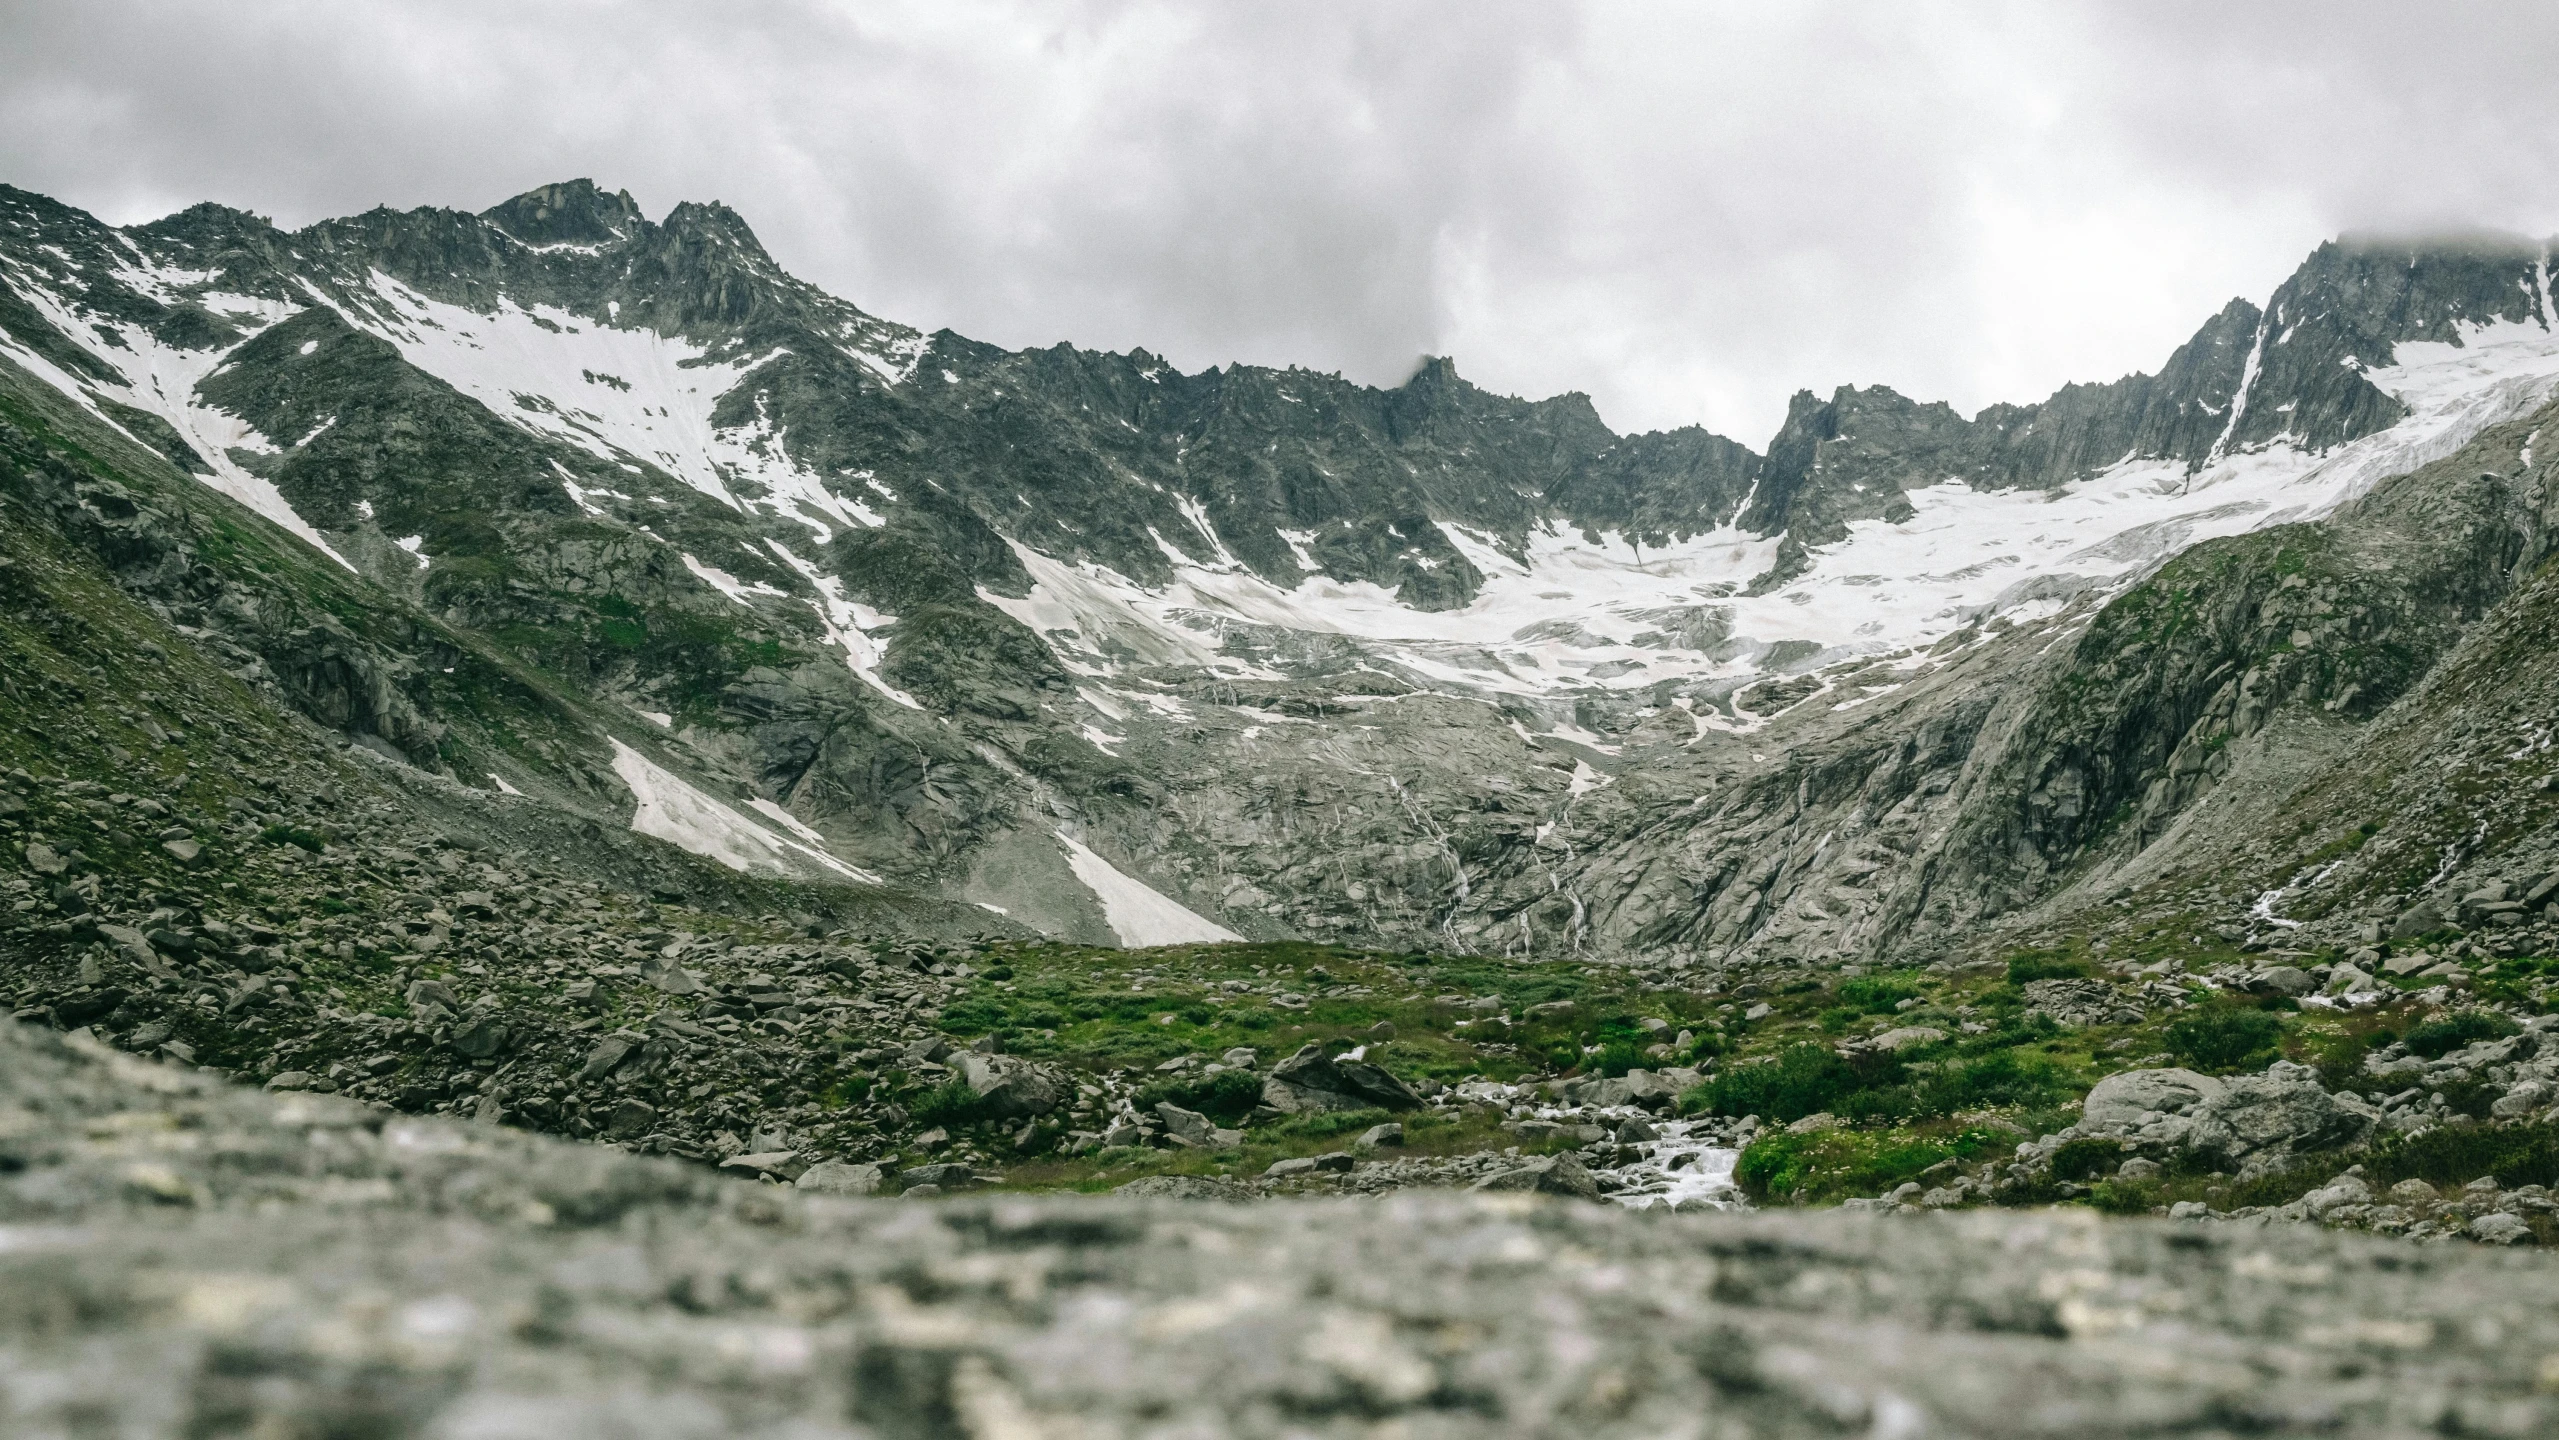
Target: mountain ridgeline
[(614, 521)]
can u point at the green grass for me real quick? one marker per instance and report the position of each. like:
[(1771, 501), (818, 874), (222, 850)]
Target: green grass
[(1834, 1164)]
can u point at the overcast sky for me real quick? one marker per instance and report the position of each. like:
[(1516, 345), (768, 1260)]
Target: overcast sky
[(1687, 211)]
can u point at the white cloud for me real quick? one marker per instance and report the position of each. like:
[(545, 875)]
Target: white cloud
[(1687, 211)]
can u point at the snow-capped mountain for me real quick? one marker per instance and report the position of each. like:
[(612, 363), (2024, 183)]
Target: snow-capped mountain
[(1131, 654)]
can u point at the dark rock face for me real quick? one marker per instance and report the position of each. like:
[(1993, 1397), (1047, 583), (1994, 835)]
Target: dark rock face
[(187, 1260)]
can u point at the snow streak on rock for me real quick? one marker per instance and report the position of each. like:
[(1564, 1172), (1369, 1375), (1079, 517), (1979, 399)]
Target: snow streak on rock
[(1137, 914), (682, 816)]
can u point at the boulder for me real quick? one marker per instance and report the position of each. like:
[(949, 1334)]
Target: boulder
[(1011, 1088), (2259, 1121), (2499, 1228), (1545, 1175), (839, 1177), (2119, 1103), (482, 1038), (1311, 1082), (1186, 1127), (2416, 920), (2289, 980), (1906, 1037)]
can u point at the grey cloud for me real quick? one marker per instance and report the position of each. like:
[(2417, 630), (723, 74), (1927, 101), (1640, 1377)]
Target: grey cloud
[(1686, 211)]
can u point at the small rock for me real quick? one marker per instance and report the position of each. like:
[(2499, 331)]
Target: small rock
[(1335, 1161), (1293, 1165), (2189, 1210), (1382, 1030), (666, 975), (1374, 1136), (767, 1163), (1242, 1057), (182, 851), (290, 1080), (1760, 1011)]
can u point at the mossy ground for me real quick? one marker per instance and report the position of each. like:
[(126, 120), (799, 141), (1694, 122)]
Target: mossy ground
[(1122, 1013), (2002, 1073)]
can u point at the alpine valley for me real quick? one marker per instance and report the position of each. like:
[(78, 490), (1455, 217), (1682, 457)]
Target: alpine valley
[(555, 666)]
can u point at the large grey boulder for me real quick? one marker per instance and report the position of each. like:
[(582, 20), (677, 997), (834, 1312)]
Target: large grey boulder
[(1011, 1088), (2252, 1123), (2122, 1105), (1310, 1082), (303, 1265), (2259, 1122)]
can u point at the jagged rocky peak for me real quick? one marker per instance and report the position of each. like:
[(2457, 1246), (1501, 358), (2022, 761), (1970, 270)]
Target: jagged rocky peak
[(572, 212)]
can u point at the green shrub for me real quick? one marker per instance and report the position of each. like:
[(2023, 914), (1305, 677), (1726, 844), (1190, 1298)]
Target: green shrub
[(2437, 1038), (2458, 1154), (2086, 1158), (1227, 1096), (2221, 1038), (2123, 1197), (950, 1105), (2025, 969), (2004, 1077), (1616, 1056), (1804, 1079), (1877, 994)]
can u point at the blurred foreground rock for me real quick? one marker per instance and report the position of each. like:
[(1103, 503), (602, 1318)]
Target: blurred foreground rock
[(179, 1258)]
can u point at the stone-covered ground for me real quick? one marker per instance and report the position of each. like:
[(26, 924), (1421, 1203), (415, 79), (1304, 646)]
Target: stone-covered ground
[(181, 1257)]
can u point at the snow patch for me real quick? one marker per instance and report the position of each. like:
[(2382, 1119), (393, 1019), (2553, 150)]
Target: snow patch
[(675, 812), (1138, 914)]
